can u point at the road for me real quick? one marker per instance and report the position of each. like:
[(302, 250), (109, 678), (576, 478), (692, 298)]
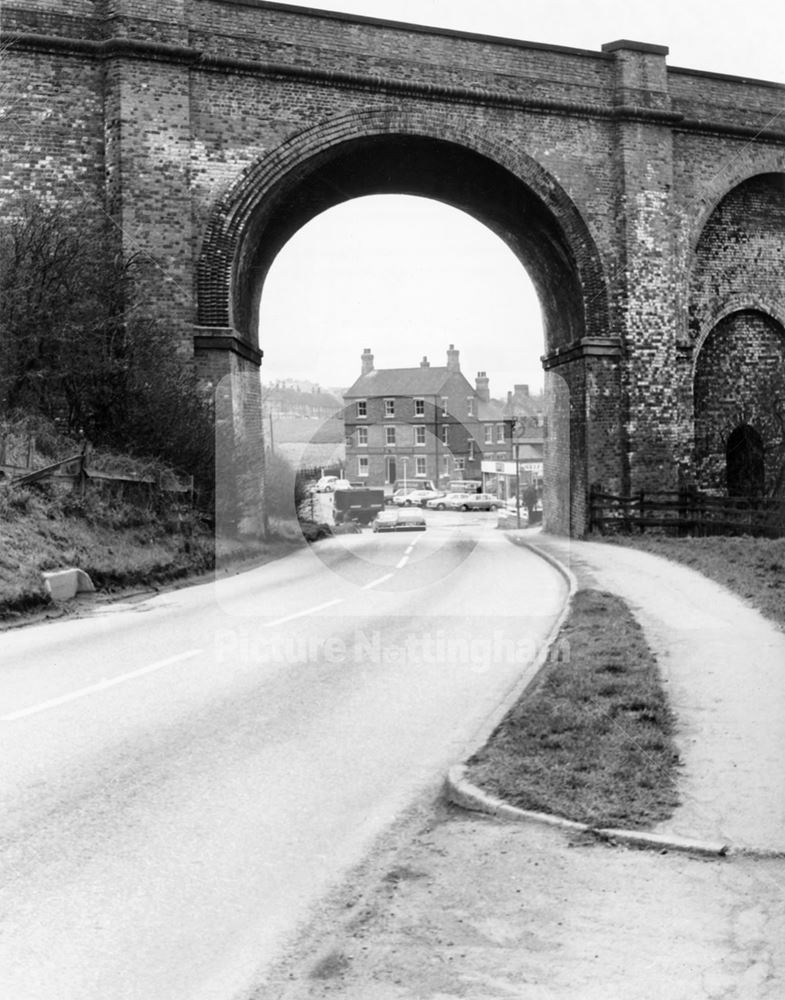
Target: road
[(185, 777)]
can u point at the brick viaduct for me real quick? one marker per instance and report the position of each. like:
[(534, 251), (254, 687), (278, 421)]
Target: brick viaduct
[(645, 201)]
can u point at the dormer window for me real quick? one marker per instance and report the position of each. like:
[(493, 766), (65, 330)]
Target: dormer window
[(470, 405)]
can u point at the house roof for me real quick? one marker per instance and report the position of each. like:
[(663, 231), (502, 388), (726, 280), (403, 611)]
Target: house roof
[(400, 382)]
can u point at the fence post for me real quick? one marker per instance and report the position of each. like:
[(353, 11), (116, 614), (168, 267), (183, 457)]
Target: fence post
[(641, 511)]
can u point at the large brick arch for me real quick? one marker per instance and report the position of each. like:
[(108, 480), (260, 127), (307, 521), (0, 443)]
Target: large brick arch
[(388, 152)]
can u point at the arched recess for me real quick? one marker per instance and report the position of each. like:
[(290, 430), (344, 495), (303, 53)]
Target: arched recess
[(738, 254), (384, 153), (734, 173), (739, 381)]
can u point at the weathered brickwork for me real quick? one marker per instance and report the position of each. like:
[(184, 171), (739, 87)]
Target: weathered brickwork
[(733, 378), (645, 201), (736, 313)]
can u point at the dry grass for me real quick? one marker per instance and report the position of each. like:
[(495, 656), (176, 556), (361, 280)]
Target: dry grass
[(119, 544), (753, 568), (592, 740)]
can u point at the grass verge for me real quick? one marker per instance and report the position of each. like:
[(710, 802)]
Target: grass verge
[(753, 568), (592, 740)]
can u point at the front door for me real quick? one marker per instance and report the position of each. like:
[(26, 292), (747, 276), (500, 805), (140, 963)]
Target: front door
[(391, 471)]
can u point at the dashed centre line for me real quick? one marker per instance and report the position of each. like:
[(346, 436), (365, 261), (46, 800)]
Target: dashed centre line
[(102, 685), (302, 614)]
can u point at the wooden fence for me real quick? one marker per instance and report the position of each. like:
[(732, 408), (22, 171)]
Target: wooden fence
[(76, 471), (686, 512)]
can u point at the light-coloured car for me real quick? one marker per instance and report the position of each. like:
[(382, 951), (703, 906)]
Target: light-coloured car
[(385, 520), (408, 519), (445, 502), (457, 501), (415, 498)]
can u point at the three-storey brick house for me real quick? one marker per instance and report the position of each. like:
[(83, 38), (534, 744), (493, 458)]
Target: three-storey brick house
[(412, 424)]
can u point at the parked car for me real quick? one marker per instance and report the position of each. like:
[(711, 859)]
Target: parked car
[(385, 520), (325, 484), (414, 498), (482, 501), (403, 498), (445, 502), (338, 484), (456, 501), (399, 520), (410, 520)]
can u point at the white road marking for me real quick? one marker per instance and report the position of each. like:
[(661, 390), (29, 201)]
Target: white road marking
[(100, 686), (402, 562), (375, 583), (302, 614)]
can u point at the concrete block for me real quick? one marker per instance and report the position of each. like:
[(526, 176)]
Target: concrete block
[(65, 584)]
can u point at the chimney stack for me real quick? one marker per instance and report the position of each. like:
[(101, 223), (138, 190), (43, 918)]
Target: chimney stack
[(453, 364), (425, 363), (522, 390), (366, 361), (482, 384)]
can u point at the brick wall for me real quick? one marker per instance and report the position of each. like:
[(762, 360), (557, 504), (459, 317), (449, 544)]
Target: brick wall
[(212, 131), (733, 379)]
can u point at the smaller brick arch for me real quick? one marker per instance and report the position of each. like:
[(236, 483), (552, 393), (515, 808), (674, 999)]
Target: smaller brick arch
[(736, 304)]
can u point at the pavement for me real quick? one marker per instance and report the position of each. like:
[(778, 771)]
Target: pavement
[(723, 666), (459, 904)]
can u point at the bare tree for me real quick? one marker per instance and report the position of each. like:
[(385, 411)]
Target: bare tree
[(76, 348)]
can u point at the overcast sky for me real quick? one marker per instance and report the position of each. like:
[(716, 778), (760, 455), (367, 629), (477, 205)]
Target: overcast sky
[(407, 276)]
